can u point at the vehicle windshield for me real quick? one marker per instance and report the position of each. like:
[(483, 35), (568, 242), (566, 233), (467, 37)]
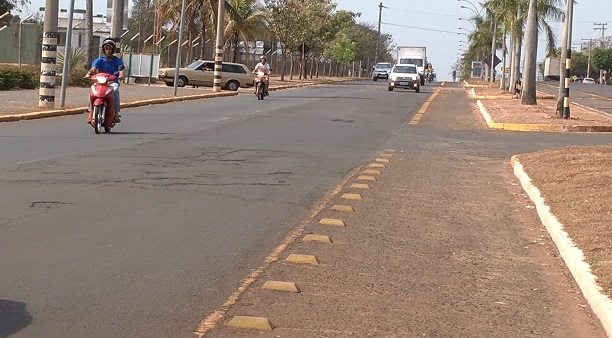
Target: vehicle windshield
[(195, 64), (383, 65), (405, 69), (416, 62)]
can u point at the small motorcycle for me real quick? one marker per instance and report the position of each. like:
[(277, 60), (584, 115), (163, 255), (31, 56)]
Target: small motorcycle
[(101, 96), (261, 80)]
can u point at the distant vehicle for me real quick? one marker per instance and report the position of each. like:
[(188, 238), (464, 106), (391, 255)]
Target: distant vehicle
[(588, 80), (415, 55), (381, 71), (552, 69), (201, 73), (405, 76)]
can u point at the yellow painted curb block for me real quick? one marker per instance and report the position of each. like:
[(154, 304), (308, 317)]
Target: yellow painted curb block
[(354, 197), (334, 222), (371, 172), (342, 208), (360, 186), (386, 155), (248, 322), (281, 286), (303, 259), (317, 238), (366, 178), (382, 160), (376, 165)]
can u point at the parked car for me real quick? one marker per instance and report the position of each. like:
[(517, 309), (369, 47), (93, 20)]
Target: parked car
[(588, 80), (381, 71), (201, 73), (405, 76)]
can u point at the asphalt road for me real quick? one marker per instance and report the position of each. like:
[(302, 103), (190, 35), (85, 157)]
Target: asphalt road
[(147, 230), (595, 96)]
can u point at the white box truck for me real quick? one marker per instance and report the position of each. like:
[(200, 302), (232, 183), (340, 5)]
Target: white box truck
[(413, 55), (552, 67)]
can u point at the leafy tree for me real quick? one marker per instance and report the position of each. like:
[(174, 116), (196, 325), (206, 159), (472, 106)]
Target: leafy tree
[(246, 18), (602, 58)]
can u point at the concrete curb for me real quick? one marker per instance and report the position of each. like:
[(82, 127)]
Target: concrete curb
[(81, 110), (537, 126), (146, 102), (572, 255)]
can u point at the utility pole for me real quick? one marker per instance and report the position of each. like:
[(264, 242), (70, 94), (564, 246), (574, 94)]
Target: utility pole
[(589, 56), (49, 56), (568, 61), (602, 27), (117, 24), (380, 7), (219, 48)]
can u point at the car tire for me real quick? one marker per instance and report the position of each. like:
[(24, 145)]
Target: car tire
[(390, 88), (375, 78), (170, 84), (232, 85), (182, 81)]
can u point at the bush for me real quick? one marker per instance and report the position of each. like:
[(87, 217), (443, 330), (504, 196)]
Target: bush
[(12, 77)]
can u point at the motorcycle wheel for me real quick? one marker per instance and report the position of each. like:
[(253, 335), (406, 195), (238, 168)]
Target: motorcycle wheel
[(259, 92), (98, 116)]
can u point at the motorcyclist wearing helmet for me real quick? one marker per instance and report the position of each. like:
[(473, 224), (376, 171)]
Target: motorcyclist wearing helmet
[(111, 64), (264, 67)]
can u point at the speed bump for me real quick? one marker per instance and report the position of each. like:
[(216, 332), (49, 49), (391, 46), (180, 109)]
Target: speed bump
[(382, 160), (376, 165), (248, 322), (303, 259), (372, 172), (354, 197), (360, 186), (366, 178), (342, 208), (281, 286), (335, 222), (317, 238)]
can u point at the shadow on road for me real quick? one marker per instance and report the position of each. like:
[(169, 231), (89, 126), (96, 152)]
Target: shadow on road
[(13, 317)]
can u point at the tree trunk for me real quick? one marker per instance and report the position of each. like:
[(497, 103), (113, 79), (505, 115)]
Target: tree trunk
[(284, 65), (291, 68), (528, 95), (516, 58), (493, 45)]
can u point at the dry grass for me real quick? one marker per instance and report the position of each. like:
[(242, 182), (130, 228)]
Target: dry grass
[(576, 183)]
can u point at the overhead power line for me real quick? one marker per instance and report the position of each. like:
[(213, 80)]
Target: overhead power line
[(421, 28)]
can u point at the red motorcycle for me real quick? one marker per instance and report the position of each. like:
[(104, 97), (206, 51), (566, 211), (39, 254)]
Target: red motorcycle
[(101, 97)]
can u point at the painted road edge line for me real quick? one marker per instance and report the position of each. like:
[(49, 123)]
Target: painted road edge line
[(571, 254), (417, 117)]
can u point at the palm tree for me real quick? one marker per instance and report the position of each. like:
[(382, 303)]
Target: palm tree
[(528, 95), (245, 19)]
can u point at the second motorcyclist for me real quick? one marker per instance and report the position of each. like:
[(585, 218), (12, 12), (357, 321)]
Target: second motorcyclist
[(263, 67), (111, 64)]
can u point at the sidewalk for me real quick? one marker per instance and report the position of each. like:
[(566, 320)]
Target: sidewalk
[(22, 104), (501, 110)]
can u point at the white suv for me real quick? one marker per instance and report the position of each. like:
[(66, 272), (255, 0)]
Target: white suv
[(381, 71), (405, 76)]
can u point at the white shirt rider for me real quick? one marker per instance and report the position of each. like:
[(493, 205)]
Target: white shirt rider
[(263, 68)]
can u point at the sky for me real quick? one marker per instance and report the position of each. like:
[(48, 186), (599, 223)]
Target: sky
[(434, 25)]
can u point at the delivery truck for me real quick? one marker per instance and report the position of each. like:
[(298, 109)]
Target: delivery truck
[(415, 55), (552, 68)]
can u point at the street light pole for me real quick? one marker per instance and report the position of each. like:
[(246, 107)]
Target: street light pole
[(470, 21), (477, 10), (19, 52)]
